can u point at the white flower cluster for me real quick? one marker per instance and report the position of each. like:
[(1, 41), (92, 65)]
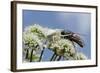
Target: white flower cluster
[(80, 56), (34, 35), (36, 30), (50, 38), (62, 46), (75, 56), (39, 30), (29, 40)]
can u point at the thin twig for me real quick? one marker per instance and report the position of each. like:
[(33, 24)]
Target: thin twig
[(52, 57), (31, 56), (41, 54), (27, 51), (59, 58), (55, 58)]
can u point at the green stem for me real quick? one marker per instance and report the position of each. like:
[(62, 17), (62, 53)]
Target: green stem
[(41, 54), (27, 51), (55, 58), (52, 57), (31, 55), (59, 58)]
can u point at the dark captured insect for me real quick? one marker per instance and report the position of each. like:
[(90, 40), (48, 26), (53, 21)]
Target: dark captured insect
[(72, 37)]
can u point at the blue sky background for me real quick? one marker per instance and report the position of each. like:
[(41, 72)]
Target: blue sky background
[(73, 21)]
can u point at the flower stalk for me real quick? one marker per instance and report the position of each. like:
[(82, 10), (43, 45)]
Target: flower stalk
[(31, 57), (41, 54), (55, 58), (52, 57), (59, 58), (27, 52)]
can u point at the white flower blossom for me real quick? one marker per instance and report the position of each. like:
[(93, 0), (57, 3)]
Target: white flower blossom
[(80, 56), (30, 40), (36, 30), (49, 38), (62, 46)]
